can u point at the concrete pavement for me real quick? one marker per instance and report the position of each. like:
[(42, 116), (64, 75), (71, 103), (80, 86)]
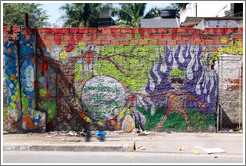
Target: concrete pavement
[(151, 142)]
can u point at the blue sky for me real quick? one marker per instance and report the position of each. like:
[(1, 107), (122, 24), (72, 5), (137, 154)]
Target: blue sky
[(52, 10)]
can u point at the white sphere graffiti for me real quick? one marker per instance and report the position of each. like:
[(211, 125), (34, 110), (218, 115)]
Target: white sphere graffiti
[(103, 97)]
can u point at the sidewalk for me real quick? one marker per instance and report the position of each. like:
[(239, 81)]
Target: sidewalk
[(159, 142)]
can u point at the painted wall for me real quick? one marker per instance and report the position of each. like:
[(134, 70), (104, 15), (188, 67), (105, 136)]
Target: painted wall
[(122, 78)]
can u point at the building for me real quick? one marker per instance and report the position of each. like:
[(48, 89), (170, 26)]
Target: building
[(167, 19)]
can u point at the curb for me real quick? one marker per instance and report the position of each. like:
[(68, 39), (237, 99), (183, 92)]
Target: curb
[(74, 148)]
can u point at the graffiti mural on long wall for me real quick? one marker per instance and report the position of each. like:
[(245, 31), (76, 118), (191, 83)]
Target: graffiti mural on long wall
[(161, 87), (112, 87)]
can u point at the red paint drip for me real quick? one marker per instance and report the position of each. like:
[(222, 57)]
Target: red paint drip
[(28, 31), (133, 32), (44, 66), (88, 57), (131, 99), (141, 31), (113, 31)]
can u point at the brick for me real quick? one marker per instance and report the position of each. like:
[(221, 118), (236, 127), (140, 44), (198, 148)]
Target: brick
[(65, 30), (148, 36), (129, 36), (172, 30), (162, 30), (79, 36), (72, 42), (58, 36), (193, 42), (125, 30), (105, 42), (240, 30), (96, 42), (41, 36), (143, 42), (83, 30), (209, 42), (229, 30), (115, 42), (110, 36), (190, 30), (181, 42), (171, 42), (119, 36), (73, 30), (93, 35), (124, 42), (159, 36), (39, 30), (66, 36), (219, 30), (181, 30), (134, 42), (153, 30), (101, 36), (16, 28), (92, 30), (105, 30), (161, 42), (46, 30), (176, 36), (50, 36), (153, 42), (238, 36), (185, 37), (64, 43), (115, 30), (56, 30)]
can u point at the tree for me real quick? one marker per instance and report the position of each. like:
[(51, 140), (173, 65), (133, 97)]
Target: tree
[(130, 14), (83, 14), (178, 6), (13, 14)]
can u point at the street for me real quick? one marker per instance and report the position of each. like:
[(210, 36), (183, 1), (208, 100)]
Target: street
[(115, 157)]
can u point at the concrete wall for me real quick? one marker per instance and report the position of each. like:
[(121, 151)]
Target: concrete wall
[(121, 78)]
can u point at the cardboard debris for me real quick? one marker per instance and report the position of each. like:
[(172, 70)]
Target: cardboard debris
[(211, 150)]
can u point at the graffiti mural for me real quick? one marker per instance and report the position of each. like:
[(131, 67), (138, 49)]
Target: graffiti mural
[(112, 87)]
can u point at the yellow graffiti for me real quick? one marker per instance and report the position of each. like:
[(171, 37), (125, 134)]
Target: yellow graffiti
[(121, 115), (128, 111), (74, 51), (12, 104), (100, 123), (224, 39), (42, 92), (81, 46), (87, 119), (63, 55), (13, 98)]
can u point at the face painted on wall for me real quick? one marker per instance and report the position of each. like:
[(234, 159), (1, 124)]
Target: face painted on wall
[(176, 83)]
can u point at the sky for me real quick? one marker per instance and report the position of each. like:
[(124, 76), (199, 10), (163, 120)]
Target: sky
[(52, 10)]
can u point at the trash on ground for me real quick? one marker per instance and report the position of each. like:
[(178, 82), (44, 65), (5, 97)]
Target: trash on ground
[(215, 156), (100, 135), (195, 152), (180, 148), (211, 150), (141, 148)]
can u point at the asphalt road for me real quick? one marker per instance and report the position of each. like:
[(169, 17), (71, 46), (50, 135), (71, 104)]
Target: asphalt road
[(115, 157)]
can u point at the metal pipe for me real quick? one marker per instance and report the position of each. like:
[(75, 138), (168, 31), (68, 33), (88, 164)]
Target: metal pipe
[(218, 81), (17, 43)]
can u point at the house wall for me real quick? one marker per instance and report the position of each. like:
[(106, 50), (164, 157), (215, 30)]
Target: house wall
[(117, 78)]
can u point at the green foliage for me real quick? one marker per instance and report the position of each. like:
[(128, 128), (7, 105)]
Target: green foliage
[(235, 47), (83, 14), (135, 62), (175, 122), (152, 121), (5, 113), (130, 14), (13, 14), (177, 73)]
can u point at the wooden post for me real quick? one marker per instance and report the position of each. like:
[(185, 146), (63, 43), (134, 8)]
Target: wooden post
[(26, 20)]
